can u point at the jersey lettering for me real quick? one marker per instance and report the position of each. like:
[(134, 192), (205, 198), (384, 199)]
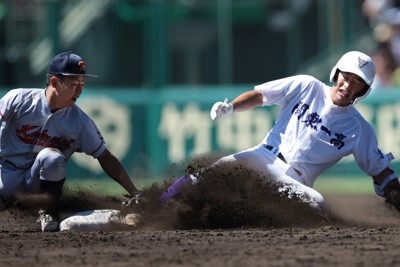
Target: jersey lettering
[(313, 119), (300, 109), (30, 134), (338, 141)]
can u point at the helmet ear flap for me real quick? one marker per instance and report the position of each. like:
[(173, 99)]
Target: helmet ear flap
[(362, 95), (334, 74)]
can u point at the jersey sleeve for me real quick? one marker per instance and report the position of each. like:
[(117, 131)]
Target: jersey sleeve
[(101, 143), (8, 104), (91, 139), (367, 154), (281, 91)]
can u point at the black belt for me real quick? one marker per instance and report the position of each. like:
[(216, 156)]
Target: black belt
[(280, 156)]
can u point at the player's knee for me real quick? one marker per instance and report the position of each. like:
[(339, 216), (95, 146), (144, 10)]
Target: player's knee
[(50, 157), (52, 165)]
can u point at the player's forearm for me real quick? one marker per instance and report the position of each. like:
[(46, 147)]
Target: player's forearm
[(119, 175), (113, 167), (247, 100), (125, 181)]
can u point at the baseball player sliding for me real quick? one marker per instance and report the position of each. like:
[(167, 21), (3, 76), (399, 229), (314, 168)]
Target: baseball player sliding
[(317, 126), (41, 129)]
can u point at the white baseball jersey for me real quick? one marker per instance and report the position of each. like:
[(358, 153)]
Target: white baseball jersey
[(313, 134), (28, 126)]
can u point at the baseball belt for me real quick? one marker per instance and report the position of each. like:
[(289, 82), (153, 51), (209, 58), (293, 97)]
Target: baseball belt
[(271, 148), (281, 157)]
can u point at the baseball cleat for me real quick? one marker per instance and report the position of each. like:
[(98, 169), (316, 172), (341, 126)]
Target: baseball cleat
[(47, 221)]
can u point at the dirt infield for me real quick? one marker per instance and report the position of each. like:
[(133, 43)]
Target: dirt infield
[(225, 224), (366, 236)]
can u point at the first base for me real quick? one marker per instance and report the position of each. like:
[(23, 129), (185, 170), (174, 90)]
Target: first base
[(95, 220)]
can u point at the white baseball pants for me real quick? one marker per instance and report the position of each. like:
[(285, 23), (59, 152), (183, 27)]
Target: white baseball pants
[(265, 162), (49, 165)]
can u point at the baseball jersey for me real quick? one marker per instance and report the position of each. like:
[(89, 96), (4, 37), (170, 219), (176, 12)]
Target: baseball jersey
[(313, 134), (28, 126)]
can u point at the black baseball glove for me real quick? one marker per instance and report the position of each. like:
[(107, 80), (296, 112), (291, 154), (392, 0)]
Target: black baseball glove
[(136, 198)]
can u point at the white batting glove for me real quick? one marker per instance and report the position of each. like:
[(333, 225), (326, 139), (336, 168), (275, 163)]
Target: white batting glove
[(221, 109)]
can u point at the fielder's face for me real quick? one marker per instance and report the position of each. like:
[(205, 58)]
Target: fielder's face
[(69, 89), (347, 88)]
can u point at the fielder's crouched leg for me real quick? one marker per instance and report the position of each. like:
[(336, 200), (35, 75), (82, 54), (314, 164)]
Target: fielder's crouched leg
[(48, 176)]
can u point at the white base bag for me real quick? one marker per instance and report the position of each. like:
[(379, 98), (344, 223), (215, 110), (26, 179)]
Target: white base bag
[(95, 220)]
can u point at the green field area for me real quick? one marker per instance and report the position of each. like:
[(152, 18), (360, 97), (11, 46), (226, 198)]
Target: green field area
[(345, 185), (325, 184)]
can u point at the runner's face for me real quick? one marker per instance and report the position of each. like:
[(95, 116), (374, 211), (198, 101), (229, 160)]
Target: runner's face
[(70, 89), (347, 87)]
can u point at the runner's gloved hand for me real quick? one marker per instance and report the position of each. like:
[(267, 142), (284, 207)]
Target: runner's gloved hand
[(220, 109)]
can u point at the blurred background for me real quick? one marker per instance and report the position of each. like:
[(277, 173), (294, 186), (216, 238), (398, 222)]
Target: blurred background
[(163, 63), (152, 43)]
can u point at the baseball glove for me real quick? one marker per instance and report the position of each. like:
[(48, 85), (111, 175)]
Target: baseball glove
[(136, 198)]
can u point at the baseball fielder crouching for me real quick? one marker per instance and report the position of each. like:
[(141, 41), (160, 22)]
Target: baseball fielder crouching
[(42, 128), (317, 126)]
